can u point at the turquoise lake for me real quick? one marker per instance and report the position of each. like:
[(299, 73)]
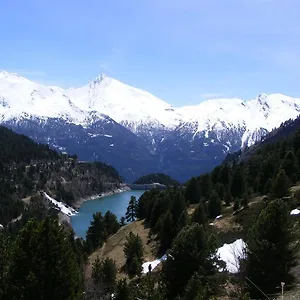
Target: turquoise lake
[(116, 203)]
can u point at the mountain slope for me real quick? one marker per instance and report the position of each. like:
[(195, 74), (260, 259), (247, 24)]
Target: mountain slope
[(135, 131), (249, 117), (125, 104), (27, 167)]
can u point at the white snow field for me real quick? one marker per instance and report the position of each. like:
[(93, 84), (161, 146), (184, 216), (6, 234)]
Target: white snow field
[(64, 208), (230, 254), (153, 264)]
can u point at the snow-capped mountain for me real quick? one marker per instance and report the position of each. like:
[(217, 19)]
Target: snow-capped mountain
[(125, 104), (135, 131), (253, 118)]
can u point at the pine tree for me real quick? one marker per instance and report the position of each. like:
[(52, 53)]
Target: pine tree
[(238, 184), (236, 205), (122, 221), (131, 210), (228, 197), (192, 250), (290, 164), (220, 189), (191, 192), (104, 273), (166, 233), (245, 201), (205, 185), (214, 205), (43, 265), (96, 233), (149, 288), (198, 288), (280, 186), (134, 253), (270, 253), (123, 291), (111, 223), (199, 215), (3, 264)]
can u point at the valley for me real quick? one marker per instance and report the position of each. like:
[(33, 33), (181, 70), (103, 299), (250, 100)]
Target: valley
[(150, 150), (201, 228)]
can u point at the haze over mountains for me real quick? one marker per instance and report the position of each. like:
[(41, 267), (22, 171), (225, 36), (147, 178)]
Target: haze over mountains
[(135, 131)]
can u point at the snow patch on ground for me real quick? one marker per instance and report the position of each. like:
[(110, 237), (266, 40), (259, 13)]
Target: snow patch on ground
[(153, 264), (295, 212), (231, 253), (63, 207)]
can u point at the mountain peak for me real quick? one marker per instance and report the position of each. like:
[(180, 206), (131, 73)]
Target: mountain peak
[(99, 79), (262, 96), (4, 73)]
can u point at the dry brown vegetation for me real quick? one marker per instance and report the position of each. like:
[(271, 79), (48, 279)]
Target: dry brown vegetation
[(113, 248)]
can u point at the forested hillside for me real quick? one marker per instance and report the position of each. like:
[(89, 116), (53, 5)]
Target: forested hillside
[(233, 190), (186, 226), (27, 167), (157, 178), (283, 131)]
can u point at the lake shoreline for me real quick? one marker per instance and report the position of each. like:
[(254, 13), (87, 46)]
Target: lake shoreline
[(121, 189)]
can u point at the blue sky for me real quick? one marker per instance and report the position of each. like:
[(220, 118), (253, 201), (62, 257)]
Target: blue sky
[(182, 51)]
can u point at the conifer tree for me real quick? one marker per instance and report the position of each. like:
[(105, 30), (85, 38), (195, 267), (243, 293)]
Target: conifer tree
[(134, 253), (290, 164), (104, 273), (228, 197), (238, 184), (199, 215), (166, 233), (220, 189), (192, 250), (198, 288), (149, 288), (43, 265), (123, 291), (214, 205), (191, 192), (237, 204), (122, 221), (3, 264), (280, 186), (205, 185), (96, 233), (111, 223), (245, 201), (131, 209), (271, 252)]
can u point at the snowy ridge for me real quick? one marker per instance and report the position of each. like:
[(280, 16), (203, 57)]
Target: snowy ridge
[(123, 103), (255, 117), (142, 113)]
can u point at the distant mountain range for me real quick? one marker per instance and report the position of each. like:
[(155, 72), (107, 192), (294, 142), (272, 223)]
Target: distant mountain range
[(134, 131)]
